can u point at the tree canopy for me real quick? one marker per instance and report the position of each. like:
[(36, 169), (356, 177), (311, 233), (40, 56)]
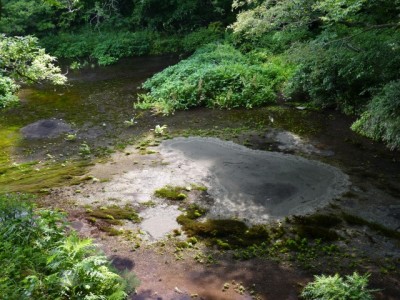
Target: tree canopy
[(22, 60), (342, 54)]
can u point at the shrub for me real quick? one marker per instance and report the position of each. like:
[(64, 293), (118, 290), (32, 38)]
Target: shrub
[(381, 120), (201, 37), (217, 75), (335, 287), (8, 88), (344, 74), (109, 46), (40, 259)]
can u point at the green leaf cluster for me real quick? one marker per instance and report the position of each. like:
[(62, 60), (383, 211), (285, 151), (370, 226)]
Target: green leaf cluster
[(108, 47), (381, 120), (41, 259), (335, 287), (22, 60), (217, 75), (345, 51)]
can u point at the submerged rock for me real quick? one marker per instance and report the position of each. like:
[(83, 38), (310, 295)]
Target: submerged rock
[(256, 185), (45, 129), (290, 142)]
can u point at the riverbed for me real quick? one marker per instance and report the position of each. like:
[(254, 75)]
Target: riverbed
[(89, 130)]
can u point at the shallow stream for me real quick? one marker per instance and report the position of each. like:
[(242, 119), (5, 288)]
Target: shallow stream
[(95, 104)]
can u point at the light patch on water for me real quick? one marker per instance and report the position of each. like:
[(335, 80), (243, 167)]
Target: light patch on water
[(159, 221)]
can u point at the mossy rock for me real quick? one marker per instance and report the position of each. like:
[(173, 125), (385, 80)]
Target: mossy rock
[(327, 221), (171, 193), (115, 213), (315, 232), (225, 234), (110, 230)]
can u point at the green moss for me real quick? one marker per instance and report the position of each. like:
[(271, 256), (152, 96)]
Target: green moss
[(354, 220), (327, 221), (198, 187), (149, 204), (104, 217), (171, 193), (113, 214), (315, 232), (182, 245), (194, 211), (91, 220), (110, 230), (33, 177), (225, 234), (358, 221)]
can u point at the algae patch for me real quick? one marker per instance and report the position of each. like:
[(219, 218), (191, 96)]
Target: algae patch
[(36, 177), (105, 217), (171, 193), (224, 233)]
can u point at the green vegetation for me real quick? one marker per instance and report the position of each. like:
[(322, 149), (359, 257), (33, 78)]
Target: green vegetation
[(358, 221), (217, 75), (104, 48), (105, 217), (22, 60), (33, 177), (326, 53), (335, 287), (171, 192), (41, 259), (345, 53), (115, 213), (381, 120), (329, 54), (225, 234)]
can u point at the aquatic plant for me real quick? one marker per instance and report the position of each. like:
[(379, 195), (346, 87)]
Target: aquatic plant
[(131, 122), (41, 259), (160, 130), (71, 137), (84, 150), (171, 192)]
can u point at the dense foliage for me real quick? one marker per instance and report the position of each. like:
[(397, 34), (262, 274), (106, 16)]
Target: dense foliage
[(381, 120), (22, 60), (217, 75), (345, 53), (335, 287), (107, 30), (41, 259), (108, 47), (339, 53)]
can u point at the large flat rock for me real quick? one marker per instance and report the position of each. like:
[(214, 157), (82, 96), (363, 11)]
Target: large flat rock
[(45, 129), (256, 185)]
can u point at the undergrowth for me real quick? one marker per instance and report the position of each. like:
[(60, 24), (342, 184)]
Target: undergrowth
[(41, 259), (105, 48), (217, 75), (105, 217), (335, 287)]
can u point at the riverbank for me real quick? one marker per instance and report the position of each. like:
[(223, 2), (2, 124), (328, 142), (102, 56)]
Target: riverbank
[(363, 221)]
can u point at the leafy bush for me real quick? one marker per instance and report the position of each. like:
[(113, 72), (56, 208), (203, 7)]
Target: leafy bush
[(335, 287), (217, 75), (343, 74), (40, 260), (381, 120), (106, 48), (8, 88), (200, 37)]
